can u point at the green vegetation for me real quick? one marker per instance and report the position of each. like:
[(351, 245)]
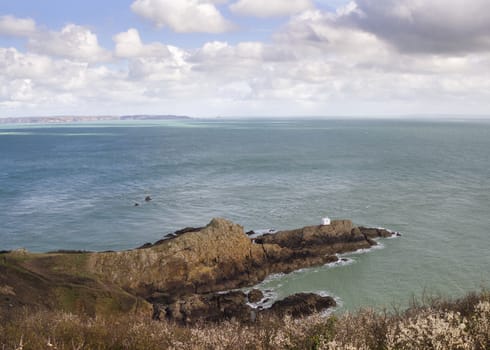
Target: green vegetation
[(432, 324)]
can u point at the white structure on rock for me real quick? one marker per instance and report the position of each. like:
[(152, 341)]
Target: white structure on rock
[(326, 221)]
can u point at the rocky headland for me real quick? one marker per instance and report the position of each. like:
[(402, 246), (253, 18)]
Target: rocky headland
[(195, 274)]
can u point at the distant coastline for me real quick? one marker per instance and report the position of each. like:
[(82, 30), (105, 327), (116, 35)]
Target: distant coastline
[(76, 119)]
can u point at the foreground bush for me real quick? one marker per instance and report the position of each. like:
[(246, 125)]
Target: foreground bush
[(439, 324)]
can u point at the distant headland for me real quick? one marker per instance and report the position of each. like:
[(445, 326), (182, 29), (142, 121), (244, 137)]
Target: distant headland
[(76, 119)]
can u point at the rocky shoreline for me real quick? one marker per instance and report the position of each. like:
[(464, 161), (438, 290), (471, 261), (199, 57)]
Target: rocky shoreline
[(183, 278)]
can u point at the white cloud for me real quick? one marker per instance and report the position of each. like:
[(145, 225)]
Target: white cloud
[(150, 62), (183, 16), (73, 41), (35, 84), (171, 67), (270, 8), (30, 80), (129, 44), (21, 90), (332, 65), (151, 69), (13, 26), (15, 65), (318, 63), (221, 52)]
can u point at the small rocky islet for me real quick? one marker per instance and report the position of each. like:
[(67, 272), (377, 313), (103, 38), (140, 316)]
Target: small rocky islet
[(195, 274)]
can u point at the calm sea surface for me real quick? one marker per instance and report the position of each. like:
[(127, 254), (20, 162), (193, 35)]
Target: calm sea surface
[(74, 187)]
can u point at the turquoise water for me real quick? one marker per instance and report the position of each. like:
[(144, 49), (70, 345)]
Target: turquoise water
[(74, 187)]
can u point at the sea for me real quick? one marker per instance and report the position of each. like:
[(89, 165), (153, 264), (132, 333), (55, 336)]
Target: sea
[(75, 186)]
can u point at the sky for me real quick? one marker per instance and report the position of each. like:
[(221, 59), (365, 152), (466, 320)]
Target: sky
[(210, 58)]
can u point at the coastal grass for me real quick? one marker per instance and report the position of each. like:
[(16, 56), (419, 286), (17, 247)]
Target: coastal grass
[(432, 323)]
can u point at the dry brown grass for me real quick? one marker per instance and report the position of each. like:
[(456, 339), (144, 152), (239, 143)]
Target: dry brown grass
[(434, 324)]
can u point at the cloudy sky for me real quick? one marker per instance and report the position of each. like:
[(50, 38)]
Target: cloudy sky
[(208, 58)]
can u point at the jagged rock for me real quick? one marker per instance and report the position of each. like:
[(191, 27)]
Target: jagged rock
[(255, 295), (171, 236), (210, 307), (375, 232), (68, 251), (219, 307), (338, 237), (187, 230), (146, 245), (302, 304), (217, 257)]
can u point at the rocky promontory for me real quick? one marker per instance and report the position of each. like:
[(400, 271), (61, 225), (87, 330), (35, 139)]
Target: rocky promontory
[(182, 278)]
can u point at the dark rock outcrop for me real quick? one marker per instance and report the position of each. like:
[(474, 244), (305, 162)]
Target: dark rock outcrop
[(341, 236), (187, 230), (376, 232), (300, 305), (255, 295), (213, 307), (217, 307), (171, 236)]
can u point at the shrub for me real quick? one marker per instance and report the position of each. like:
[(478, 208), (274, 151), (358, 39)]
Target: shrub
[(436, 324)]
